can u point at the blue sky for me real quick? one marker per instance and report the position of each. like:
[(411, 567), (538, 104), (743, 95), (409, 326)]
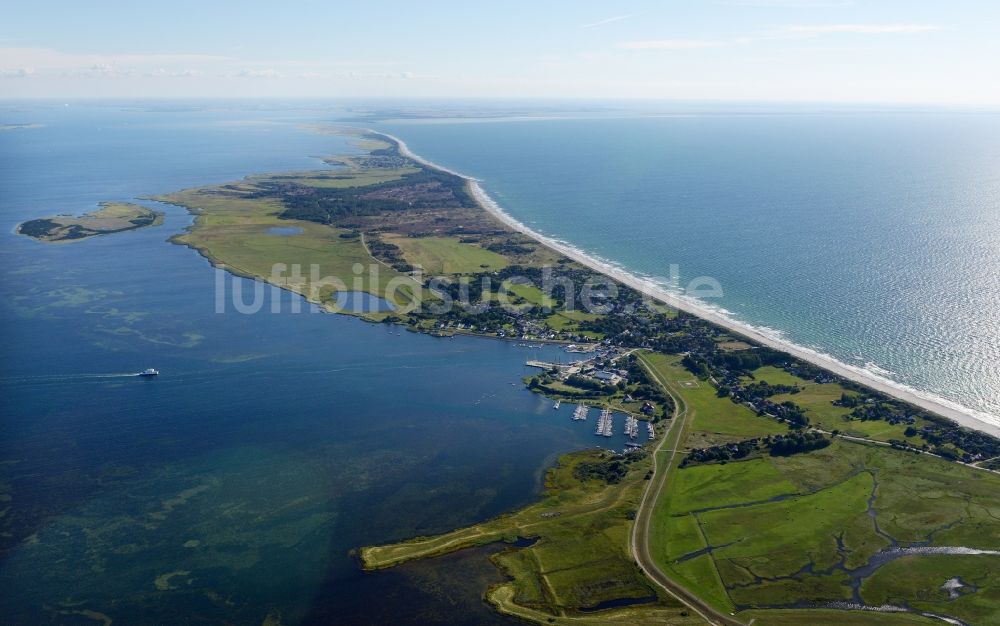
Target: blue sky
[(895, 51)]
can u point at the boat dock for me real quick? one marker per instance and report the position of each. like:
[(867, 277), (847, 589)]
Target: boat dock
[(650, 430), (581, 412), (564, 368), (605, 424), (631, 427)]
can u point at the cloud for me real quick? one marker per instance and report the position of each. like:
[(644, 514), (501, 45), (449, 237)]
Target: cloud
[(165, 73), (859, 29), (791, 4), (677, 44), (788, 32), (20, 72), (258, 73), (609, 20)]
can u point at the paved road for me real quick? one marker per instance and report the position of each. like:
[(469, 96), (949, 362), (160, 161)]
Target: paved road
[(644, 517)]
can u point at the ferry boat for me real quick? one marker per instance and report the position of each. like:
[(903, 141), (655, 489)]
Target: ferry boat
[(149, 372)]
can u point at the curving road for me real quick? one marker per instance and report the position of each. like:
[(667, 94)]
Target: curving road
[(644, 516)]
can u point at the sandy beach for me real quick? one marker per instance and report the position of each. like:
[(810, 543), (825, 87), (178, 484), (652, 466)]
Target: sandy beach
[(965, 416)]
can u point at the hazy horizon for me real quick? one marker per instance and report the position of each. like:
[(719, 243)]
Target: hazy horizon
[(783, 51)]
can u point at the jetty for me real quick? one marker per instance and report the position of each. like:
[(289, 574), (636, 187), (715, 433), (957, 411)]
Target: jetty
[(562, 368), (631, 427), (605, 424)]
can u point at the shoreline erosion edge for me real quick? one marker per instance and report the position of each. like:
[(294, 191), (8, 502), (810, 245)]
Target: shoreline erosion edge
[(964, 416)]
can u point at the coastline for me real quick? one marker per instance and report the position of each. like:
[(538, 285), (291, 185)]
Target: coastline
[(964, 416)]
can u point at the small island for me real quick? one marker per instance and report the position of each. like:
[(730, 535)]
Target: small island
[(112, 217)]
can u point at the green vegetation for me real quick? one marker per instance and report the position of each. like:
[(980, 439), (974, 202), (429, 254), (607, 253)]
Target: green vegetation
[(770, 531), (717, 420), (820, 401), (707, 486), (447, 255), (922, 581), (232, 228), (820, 617), (112, 217), (635, 394), (777, 516), (580, 556), (781, 530)]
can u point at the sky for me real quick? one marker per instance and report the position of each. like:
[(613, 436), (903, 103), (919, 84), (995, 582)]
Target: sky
[(870, 51)]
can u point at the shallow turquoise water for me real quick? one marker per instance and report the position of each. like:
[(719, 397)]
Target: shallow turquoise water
[(872, 237)]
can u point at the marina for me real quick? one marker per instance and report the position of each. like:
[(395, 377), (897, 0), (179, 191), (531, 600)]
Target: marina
[(580, 414), (631, 427), (605, 424)]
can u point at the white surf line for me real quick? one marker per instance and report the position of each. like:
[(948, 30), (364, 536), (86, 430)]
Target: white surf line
[(971, 418)]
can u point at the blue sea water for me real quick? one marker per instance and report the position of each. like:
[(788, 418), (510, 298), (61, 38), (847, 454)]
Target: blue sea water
[(233, 486), (873, 237)]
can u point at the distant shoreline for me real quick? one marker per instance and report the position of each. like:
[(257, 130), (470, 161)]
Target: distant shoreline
[(970, 418)]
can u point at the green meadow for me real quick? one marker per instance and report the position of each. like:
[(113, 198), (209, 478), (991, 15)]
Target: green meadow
[(779, 531), (235, 231), (447, 255), (817, 401)]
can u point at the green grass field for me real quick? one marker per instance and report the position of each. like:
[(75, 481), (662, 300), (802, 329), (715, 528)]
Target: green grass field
[(919, 581), (716, 419), (775, 530), (529, 293), (234, 231), (817, 400), (447, 255), (569, 321), (714, 485), (341, 179)]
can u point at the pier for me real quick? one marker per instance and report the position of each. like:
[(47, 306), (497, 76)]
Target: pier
[(605, 424), (631, 427), (563, 368)]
